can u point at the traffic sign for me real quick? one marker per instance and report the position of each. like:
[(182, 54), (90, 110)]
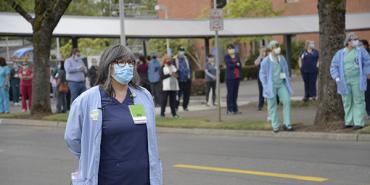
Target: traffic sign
[(216, 20)]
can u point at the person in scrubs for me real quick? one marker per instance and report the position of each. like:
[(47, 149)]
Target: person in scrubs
[(349, 68), (233, 75), (274, 77), (308, 63), (111, 127), (4, 86)]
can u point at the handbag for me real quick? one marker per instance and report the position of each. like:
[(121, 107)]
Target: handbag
[(63, 87)]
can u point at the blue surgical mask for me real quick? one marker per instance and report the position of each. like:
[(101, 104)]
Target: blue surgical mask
[(123, 74)]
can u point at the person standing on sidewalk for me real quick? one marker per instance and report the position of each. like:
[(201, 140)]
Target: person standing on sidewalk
[(92, 73), (365, 45), (14, 83), (233, 75), (210, 70), (154, 77), (75, 74), (142, 69), (257, 62), (349, 68), (61, 96), (309, 64), (111, 127), (184, 77), (274, 76), (170, 86), (4, 86), (25, 74)]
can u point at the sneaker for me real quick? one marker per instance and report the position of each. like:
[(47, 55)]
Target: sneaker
[(229, 113), (275, 130), (186, 109), (305, 99), (24, 110), (347, 126), (237, 113), (176, 116), (357, 127), (289, 128)]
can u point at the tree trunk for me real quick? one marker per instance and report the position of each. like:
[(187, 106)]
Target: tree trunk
[(332, 33), (41, 71)]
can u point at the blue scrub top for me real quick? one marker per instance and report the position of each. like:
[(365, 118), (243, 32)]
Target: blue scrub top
[(124, 156), (309, 61)]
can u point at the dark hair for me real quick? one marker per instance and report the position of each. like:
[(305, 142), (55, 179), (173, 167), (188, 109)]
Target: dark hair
[(105, 70), (148, 58), (210, 56), (230, 46), (142, 59), (62, 65), (2, 61), (74, 51), (365, 43)]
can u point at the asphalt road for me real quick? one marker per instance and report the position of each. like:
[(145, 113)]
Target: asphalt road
[(38, 156)]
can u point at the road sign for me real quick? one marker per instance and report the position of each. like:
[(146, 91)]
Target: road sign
[(216, 20)]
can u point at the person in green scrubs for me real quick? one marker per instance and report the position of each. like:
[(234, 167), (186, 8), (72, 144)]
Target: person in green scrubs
[(349, 68), (274, 77)]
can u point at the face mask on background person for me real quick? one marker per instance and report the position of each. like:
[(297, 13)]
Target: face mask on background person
[(211, 61), (123, 74), (311, 45), (277, 50), (355, 43), (231, 51), (181, 53)]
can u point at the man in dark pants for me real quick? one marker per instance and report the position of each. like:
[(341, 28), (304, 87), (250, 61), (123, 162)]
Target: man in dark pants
[(257, 62), (184, 72), (233, 74), (308, 63)]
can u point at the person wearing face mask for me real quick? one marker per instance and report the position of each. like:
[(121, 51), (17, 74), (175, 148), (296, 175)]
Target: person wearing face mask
[(184, 77), (274, 76), (365, 44), (349, 68), (75, 74), (26, 74), (233, 75), (170, 86), (257, 62), (14, 84), (4, 86), (210, 70), (308, 63), (111, 127)]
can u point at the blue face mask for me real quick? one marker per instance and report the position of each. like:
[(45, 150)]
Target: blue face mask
[(123, 74)]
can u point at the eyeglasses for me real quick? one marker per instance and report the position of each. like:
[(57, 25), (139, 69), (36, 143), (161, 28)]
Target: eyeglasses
[(122, 61)]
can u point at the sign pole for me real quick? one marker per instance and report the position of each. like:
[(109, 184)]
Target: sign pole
[(218, 69)]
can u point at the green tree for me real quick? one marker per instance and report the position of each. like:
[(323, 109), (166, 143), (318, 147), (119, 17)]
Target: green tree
[(250, 8), (87, 47), (47, 15), (332, 33)]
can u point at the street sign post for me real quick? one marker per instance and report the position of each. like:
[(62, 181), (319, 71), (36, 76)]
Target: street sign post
[(216, 23)]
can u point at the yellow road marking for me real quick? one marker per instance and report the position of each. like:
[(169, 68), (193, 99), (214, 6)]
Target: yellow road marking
[(248, 172)]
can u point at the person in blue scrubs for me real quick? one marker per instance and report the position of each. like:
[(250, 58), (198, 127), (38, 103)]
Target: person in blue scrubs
[(120, 126), (349, 68), (309, 63), (233, 75), (274, 76), (4, 86)]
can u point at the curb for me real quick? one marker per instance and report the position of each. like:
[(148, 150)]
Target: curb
[(214, 132)]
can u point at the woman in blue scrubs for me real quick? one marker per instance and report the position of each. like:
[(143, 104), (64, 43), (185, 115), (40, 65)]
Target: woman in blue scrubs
[(4, 86), (117, 136), (309, 63), (349, 68)]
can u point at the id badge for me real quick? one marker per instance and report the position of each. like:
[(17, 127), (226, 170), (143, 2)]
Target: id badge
[(282, 76), (138, 114), (94, 114)]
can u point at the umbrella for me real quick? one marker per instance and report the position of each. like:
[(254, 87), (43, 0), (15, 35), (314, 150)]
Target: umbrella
[(22, 52)]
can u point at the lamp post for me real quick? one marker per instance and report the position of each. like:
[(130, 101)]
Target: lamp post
[(159, 7)]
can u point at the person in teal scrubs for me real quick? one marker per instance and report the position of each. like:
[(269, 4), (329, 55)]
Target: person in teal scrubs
[(349, 68), (4, 86), (274, 77)]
